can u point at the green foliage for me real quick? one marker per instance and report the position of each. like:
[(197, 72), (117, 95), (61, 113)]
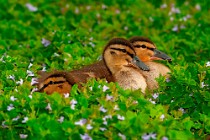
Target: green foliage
[(77, 32)]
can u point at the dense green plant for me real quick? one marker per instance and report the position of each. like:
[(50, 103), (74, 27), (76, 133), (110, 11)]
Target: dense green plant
[(66, 35)]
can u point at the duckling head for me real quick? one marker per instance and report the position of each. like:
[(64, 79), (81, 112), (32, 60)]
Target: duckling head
[(54, 82), (119, 53), (146, 50)]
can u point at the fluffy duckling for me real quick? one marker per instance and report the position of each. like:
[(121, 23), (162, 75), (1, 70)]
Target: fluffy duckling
[(54, 82), (147, 52), (122, 62), (61, 81)]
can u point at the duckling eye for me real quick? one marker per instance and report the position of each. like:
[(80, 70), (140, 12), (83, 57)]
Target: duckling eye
[(152, 49), (143, 46), (112, 53), (123, 50)]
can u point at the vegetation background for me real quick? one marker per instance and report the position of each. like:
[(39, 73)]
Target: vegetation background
[(64, 35)]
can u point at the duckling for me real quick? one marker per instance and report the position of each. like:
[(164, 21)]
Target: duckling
[(122, 62), (147, 52), (61, 81), (54, 82), (119, 64)]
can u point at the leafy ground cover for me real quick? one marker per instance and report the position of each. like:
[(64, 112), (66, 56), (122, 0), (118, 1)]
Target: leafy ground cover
[(65, 35)]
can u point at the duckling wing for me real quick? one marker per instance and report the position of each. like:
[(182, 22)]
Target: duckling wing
[(96, 70)]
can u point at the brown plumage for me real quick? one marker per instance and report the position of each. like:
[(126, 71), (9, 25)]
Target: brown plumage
[(117, 66), (60, 81)]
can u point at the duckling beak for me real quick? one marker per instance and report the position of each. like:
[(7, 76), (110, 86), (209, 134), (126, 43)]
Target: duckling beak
[(160, 56), (136, 61)]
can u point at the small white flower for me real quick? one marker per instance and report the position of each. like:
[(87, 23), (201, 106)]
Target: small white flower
[(66, 95), (34, 90), (164, 138), (73, 103), (12, 98), (175, 10), (208, 64), (105, 122), (91, 38), (102, 128), (105, 88), (61, 119), (123, 137), (85, 137), (10, 107), (126, 28), (203, 85), (171, 18), (149, 136), (44, 68), (107, 117), (91, 88), (56, 54), (69, 35), (31, 7), (81, 122), (45, 42), (12, 77), (151, 19), (162, 117), (89, 127), (34, 81), (155, 95), (25, 119), (76, 11), (117, 11), (104, 6), (153, 102), (120, 117), (30, 73), (109, 97), (116, 107), (172, 101), (135, 102), (175, 28), (92, 44), (30, 96), (15, 119), (153, 135), (3, 124), (20, 82), (88, 7), (198, 7), (48, 107), (102, 109), (98, 15), (163, 6), (23, 136), (145, 137), (182, 110), (30, 65)]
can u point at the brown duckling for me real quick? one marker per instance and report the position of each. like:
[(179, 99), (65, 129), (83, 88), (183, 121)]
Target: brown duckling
[(147, 52), (121, 60), (56, 81)]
